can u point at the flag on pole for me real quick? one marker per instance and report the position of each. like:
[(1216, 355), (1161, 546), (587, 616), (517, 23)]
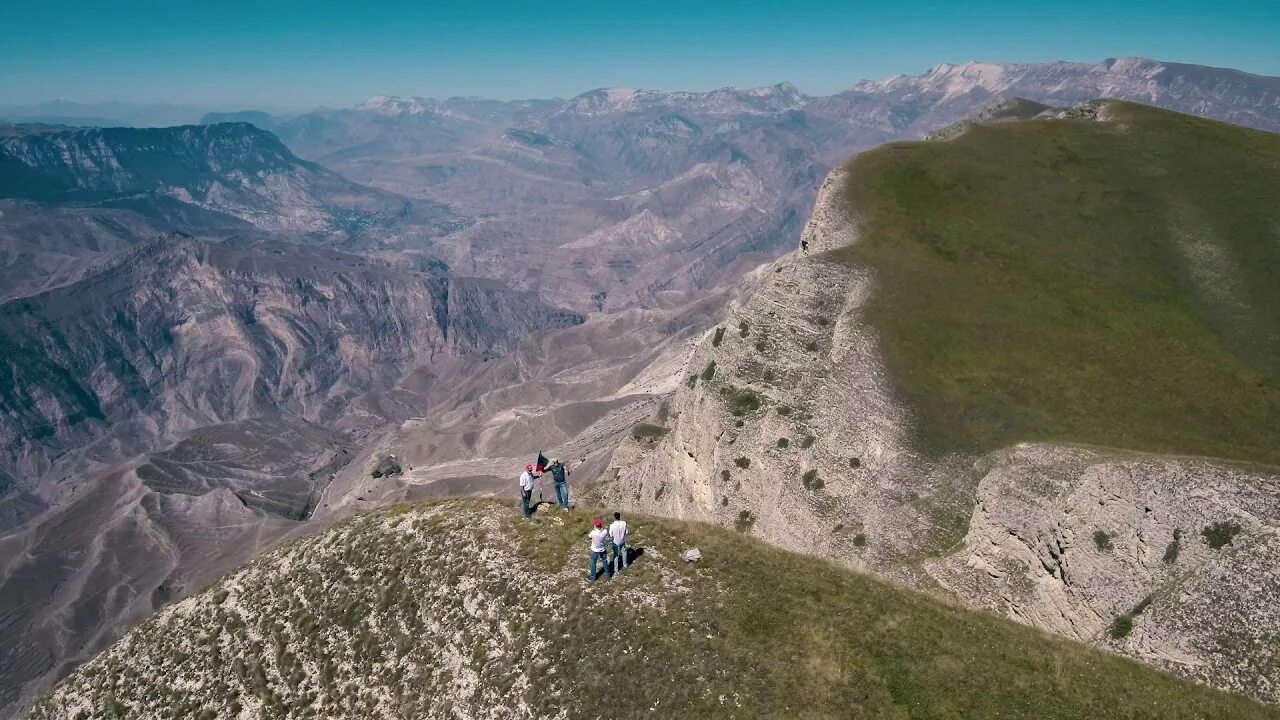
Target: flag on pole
[(541, 463)]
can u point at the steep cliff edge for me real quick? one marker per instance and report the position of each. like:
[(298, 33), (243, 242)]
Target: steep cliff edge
[(886, 396)]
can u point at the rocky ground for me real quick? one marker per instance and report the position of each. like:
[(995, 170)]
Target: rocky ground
[(463, 610)]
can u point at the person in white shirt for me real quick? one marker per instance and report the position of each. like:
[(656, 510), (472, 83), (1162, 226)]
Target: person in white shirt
[(597, 539), (618, 536), (526, 489)]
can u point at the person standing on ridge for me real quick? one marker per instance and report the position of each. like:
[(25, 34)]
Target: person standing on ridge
[(559, 473), (618, 535), (597, 539), (526, 489)]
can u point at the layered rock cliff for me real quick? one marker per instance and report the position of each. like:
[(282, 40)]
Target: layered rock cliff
[(188, 333)]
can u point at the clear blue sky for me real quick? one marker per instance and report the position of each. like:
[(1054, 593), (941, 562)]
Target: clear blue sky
[(280, 53)]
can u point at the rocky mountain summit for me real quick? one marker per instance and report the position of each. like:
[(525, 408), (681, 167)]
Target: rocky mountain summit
[(462, 610), (872, 403)]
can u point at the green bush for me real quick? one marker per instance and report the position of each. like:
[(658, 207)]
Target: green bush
[(744, 329), (724, 475), (709, 371), (745, 522), (855, 463), (719, 336), (744, 401), (1220, 533), (783, 443), (812, 481), (743, 462), (646, 432), (784, 410), (860, 540), (807, 442), (1102, 540), (1123, 625)]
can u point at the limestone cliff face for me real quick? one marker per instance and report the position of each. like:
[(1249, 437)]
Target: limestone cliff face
[(1066, 539), (793, 362)]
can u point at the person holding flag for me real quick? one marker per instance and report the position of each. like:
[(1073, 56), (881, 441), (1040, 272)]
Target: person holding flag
[(559, 473)]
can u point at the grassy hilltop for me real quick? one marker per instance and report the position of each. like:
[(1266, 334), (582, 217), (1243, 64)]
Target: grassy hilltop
[(460, 609), (1113, 283)]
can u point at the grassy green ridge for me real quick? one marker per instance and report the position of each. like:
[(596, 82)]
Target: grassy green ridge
[(1111, 283), (792, 636)]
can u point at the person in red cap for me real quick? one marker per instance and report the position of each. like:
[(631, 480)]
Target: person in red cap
[(526, 489), (597, 538)]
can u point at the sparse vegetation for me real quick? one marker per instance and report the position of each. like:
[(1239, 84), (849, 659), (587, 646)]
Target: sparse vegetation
[(743, 462), (644, 432), (1102, 541), (783, 442), (709, 371), (1107, 326), (1220, 533), (330, 627), (718, 337), (744, 328), (724, 475), (1174, 547), (784, 410), (807, 442), (855, 463), (812, 481), (1123, 625), (743, 401)]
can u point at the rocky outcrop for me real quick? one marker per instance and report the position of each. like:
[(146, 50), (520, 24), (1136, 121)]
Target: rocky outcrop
[(787, 427), (1170, 560)]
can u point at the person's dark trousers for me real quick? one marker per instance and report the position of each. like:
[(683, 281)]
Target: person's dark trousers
[(603, 558), (562, 494), (524, 502), (619, 561)]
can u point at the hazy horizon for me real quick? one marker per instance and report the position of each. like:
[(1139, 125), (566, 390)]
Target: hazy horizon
[(298, 56)]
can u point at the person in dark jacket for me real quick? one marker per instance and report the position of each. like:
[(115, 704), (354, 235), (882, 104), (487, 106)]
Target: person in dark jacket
[(560, 474)]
